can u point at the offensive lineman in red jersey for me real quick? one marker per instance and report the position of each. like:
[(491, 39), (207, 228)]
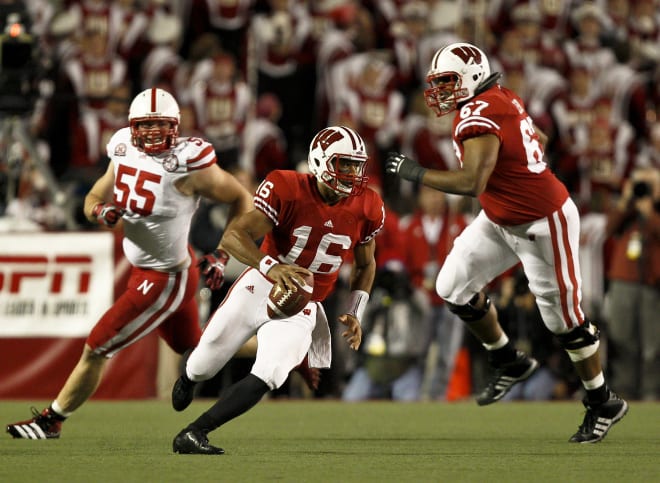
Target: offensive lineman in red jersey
[(152, 184), (527, 216), (310, 223)]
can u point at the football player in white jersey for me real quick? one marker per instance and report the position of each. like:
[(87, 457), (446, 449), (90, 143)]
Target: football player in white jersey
[(527, 216), (152, 185)]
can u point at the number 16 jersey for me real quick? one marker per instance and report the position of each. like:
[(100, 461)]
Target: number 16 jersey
[(312, 233)]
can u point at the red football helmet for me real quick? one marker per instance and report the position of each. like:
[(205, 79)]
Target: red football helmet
[(158, 108), (456, 72), (332, 145)]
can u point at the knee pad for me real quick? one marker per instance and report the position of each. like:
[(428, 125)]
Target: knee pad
[(470, 312), (581, 342)]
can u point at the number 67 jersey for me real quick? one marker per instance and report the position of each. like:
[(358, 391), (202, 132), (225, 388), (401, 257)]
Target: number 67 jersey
[(158, 215), (311, 233), (521, 188)]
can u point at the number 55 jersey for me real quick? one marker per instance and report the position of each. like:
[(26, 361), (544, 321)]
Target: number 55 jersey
[(521, 188), (158, 216), (311, 233)]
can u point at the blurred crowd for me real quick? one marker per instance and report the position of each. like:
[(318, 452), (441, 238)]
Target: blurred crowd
[(258, 77)]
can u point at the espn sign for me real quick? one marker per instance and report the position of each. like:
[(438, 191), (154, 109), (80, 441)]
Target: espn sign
[(54, 284)]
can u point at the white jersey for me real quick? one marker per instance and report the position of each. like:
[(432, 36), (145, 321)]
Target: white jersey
[(158, 216)]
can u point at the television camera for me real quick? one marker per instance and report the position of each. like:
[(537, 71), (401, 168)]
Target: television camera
[(18, 67), (20, 73)]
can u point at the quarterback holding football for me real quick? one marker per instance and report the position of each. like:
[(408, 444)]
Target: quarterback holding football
[(310, 224)]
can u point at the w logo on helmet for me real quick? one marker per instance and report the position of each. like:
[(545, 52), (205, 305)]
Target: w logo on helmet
[(326, 138), (467, 53)]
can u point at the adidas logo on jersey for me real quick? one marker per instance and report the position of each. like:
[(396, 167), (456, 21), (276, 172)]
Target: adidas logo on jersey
[(250, 288), (329, 224)]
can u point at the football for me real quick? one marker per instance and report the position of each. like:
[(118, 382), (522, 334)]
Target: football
[(283, 304)]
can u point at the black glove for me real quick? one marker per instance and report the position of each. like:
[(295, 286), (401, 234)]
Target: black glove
[(107, 213), (404, 167), (212, 266)]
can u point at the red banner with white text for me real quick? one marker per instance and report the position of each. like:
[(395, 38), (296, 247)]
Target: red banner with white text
[(53, 289)]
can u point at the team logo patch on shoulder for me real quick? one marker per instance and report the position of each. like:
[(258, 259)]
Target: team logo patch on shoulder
[(120, 149), (170, 163)]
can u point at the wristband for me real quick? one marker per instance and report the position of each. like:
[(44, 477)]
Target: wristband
[(266, 264), (357, 304), (97, 209)]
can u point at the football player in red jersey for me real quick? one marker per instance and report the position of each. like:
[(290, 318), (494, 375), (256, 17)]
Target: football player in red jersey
[(527, 216), (309, 223), (152, 185)]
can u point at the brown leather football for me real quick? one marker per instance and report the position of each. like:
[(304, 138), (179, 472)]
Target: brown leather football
[(283, 304)]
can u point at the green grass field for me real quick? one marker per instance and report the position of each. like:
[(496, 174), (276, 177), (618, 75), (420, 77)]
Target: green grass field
[(330, 441)]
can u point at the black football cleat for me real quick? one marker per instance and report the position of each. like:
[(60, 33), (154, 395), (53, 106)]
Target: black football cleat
[(182, 393), (194, 441), (599, 419), (44, 425), (506, 376)]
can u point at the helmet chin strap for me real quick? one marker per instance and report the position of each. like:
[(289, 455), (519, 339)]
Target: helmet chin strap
[(490, 81)]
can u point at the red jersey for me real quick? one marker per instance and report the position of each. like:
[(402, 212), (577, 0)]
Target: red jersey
[(521, 188), (311, 233)]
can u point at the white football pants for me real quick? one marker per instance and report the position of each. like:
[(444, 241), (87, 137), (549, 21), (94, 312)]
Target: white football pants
[(282, 343), (548, 250)]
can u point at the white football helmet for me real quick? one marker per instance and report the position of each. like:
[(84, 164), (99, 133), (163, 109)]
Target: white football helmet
[(154, 105), (456, 72), (331, 145)]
